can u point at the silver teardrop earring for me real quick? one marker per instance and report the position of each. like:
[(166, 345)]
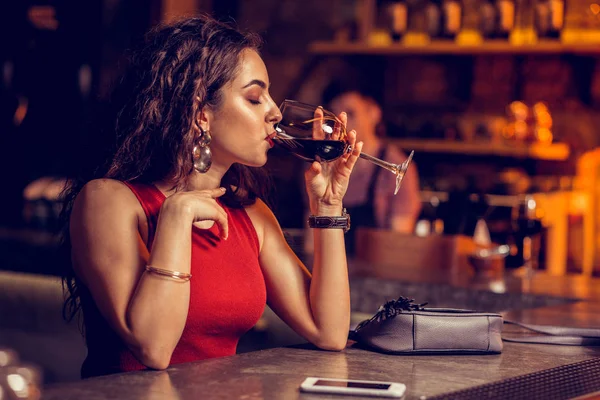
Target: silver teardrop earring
[(201, 155)]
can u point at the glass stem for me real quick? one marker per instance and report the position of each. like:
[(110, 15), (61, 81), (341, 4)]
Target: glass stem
[(393, 168), (383, 164)]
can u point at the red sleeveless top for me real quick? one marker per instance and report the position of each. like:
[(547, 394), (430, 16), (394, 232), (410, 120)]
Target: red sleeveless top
[(227, 294)]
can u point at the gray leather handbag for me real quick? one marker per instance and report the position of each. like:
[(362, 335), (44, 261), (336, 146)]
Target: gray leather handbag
[(402, 327)]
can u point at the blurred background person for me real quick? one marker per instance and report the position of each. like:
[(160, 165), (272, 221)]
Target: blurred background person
[(370, 198)]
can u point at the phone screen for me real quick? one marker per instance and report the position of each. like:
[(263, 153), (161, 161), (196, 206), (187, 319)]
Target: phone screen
[(361, 385)]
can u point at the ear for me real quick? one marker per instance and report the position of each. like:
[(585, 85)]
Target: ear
[(374, 112), (203, 118)]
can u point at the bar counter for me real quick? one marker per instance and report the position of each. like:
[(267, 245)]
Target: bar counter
[(277, 373)]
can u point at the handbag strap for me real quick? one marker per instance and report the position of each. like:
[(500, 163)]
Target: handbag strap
[(557, 335)]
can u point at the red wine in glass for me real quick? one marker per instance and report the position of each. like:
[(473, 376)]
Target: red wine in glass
[(315, 134), (313, 150)]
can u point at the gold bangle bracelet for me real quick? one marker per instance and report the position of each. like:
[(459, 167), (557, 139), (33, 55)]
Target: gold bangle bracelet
[(182, 276)]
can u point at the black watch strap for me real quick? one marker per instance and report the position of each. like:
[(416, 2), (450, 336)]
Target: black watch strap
[(322, 222)]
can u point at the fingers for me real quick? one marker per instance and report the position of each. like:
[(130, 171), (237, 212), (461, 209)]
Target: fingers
[(339, 129), (221, 221), (211, 193), (218, 192), (351, 138), (318, 133), (218, 214), (354, 155), (315, 169)]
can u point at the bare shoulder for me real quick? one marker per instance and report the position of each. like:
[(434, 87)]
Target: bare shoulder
[(103, 199), (260, 214), (105, 192), (105, 188), (263, 219)]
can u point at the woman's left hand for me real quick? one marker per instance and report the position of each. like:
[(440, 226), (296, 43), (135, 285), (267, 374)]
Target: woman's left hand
[(327, 182)]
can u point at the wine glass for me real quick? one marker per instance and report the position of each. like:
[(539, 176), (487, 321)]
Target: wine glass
[(315, 134), (528, 226)]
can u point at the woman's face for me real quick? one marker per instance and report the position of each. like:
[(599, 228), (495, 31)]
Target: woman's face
[(246, 117)]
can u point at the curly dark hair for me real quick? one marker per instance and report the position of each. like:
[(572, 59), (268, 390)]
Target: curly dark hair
[(179, 69)]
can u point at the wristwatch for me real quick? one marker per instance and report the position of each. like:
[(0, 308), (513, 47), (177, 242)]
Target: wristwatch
[(322, 222)]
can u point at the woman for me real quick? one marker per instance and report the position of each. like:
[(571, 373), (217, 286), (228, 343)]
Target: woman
[(174, 252)]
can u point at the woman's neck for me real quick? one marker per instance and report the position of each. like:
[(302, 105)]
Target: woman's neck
[(195, 181)]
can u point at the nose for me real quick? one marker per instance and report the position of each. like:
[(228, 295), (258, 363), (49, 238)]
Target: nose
[(274, 116)]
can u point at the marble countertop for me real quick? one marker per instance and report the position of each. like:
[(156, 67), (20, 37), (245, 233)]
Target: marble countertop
[(278, 373)]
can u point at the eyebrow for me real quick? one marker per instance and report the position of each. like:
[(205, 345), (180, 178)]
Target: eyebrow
[(256, 82)]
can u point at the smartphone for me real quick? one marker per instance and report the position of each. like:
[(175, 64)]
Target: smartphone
[(353, 387)]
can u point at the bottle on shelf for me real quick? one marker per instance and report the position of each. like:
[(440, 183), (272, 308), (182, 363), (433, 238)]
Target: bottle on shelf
[(542, 18), (505, 18), (470, 33), (417, 32), (451, 19), (488, 16), (397, 12), (549, 18), (557, 18), (523, 32), (434, 18)]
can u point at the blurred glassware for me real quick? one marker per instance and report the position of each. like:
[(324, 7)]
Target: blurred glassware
[(451, 19), (488, 17), (343, 21), (528, 226), (518, 128), (542, 131), (422, 228), (542, 17), (18, 381), (417, 33), (506, 18), (8, 357), (523, 32), (549, 18), (515, 180), (470, 32), (396, 13), (489, 261), (544, 183), (434, 18), (430, 221)]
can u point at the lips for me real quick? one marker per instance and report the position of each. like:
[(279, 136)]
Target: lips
[(270, 138)]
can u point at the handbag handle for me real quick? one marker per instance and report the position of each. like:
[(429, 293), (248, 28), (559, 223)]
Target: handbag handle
[(557, 335)]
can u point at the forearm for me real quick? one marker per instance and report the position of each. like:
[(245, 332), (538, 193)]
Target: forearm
[(329, 290), (158, 309)]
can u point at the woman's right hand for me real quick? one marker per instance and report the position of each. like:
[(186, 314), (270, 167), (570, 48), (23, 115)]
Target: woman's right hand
[(197, 206)]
